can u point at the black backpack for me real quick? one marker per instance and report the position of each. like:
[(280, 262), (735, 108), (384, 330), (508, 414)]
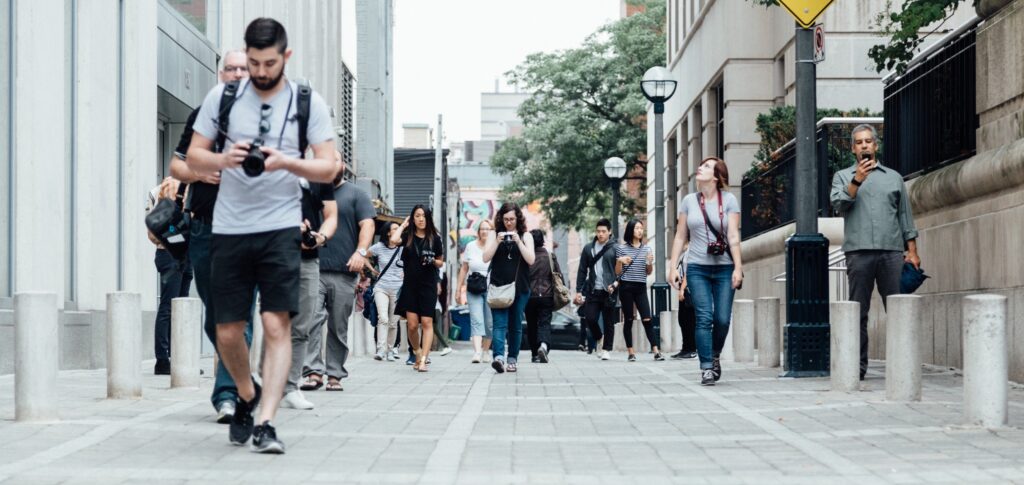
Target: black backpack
[(230, 94)]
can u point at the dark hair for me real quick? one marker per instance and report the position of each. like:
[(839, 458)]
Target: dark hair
[(538, 238), (509, 207), (385, 229), (604, 222), (410, 231), (266, 32), (627, 235), (721, 172)]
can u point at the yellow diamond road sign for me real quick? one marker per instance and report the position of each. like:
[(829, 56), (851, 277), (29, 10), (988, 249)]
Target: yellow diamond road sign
[(805, 11)]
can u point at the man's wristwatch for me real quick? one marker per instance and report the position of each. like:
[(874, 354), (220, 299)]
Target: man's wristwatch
[(362, 252), (855, 182)]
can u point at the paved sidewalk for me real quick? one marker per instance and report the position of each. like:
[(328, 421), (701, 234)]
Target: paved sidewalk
[(576, 420)]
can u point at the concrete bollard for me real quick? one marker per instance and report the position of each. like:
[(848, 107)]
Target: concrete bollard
[(186, 335), (903, 348), (36, 358), (766, 311), (675, 332), (665, 324), (124, 352), (844, 365), (743, 330), (985, 360)]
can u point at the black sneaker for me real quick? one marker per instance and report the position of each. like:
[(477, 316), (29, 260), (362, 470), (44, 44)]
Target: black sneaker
[(659, 357), (264, 440), (535, 360), (498, 364), (631, 358), (542, 353), (241, 424), (707, 377), (716, 369), (679, 355), (690, 355), (162, 367)]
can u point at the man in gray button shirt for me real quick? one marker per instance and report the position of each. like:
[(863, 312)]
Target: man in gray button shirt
[(878, 229)]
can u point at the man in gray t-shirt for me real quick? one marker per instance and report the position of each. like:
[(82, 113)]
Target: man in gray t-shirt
[(257, 217)]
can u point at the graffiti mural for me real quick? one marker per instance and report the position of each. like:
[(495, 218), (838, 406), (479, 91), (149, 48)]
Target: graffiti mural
[(476, 206)]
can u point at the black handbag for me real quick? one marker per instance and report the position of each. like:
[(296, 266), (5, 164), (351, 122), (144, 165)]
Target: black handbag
[(476, 283), (169, 224)]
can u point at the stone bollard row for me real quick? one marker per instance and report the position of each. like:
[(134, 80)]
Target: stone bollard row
[(902, 348), (844, 350), (35, 356), (743, 330), (986, 372), (766, 311), (186, 333), (124, 353)]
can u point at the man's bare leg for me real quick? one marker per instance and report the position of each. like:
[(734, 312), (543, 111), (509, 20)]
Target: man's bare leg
[(235, 354), (277, 359)]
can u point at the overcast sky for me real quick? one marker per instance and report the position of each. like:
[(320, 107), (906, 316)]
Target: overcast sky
[(449, 51)]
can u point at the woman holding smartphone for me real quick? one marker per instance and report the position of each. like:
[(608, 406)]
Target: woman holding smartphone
[(422, 255), (634, 261), (510, 255)]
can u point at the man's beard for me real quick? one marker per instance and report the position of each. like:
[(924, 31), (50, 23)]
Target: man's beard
[(269, 84)]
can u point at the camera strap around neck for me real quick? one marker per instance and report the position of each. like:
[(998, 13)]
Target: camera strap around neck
[(721, 220)]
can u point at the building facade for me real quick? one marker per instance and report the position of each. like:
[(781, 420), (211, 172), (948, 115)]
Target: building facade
[(93, 98)]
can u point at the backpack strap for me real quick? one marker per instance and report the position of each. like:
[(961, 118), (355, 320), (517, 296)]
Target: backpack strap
[(227, 101), (302, 113)]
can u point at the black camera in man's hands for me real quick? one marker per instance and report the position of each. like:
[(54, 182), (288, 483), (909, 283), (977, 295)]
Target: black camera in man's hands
[(309, 239), (717, 248), (255, 162)]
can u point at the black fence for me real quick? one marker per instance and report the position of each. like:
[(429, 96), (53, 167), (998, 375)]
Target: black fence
[(769, 197), (930, 110)]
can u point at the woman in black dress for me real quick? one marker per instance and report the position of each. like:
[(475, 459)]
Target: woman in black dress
[(422, 255)]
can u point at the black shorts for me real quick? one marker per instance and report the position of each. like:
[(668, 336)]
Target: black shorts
[(241, 263)]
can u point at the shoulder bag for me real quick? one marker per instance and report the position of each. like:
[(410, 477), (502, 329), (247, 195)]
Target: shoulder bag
[(561, 292), (502, 297), (718, 235)]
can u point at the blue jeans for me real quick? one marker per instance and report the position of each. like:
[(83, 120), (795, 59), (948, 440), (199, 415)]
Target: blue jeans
[(711, 289), (480, 318), (508, 325), (224, 388)]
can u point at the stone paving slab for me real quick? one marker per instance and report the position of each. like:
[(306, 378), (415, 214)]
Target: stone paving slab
[(575, 420)]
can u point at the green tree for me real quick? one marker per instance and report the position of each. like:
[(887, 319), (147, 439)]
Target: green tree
[(902, 27), (586, 105)]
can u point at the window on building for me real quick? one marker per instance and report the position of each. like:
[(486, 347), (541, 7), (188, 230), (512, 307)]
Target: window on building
[(202, 14), (720, 120)]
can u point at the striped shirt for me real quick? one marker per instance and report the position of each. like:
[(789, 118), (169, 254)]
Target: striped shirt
[(392, 279), (637, 271)]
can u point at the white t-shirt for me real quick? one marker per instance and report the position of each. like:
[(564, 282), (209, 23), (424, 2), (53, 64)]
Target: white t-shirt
[(270, 201), (474, 256)]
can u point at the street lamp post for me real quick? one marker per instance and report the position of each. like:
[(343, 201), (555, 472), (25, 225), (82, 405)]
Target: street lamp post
[(658, 86), (615, 170)]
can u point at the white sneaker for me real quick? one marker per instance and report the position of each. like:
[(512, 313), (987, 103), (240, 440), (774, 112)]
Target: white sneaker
[(445, 351), (295, 400), (225, 412), (476, 357), (392, 355), (605, 355), (486, 357), (380, 355)]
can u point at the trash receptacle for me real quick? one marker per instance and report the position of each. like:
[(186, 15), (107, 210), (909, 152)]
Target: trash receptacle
[(460, 318)]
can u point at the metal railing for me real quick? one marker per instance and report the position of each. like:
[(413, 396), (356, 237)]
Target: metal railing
[(836, 265), (930, 110), (768, 198)]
